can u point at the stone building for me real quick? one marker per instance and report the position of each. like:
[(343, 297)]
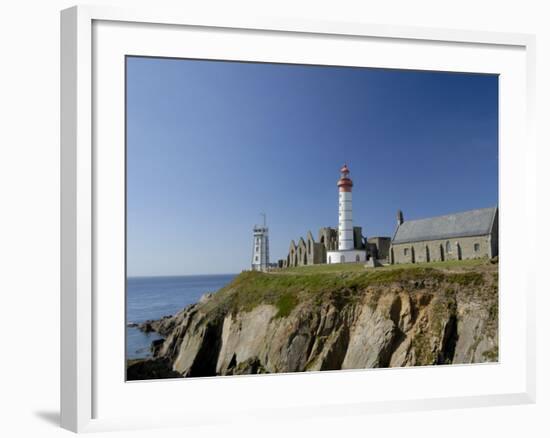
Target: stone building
[(308, 251), (379, 248), (328, 237), (458, 236)]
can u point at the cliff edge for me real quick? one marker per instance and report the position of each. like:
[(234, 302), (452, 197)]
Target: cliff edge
[(330, 318)]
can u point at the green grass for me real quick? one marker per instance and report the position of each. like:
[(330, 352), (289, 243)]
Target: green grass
[(317, 269), (360, 267), (466, 278), (339, 284), (285, 304)]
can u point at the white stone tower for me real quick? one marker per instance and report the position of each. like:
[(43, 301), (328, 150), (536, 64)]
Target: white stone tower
[(260, 250), (345, 219), (346, 248)]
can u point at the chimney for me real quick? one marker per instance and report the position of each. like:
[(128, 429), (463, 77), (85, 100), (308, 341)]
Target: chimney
[(399, 217)]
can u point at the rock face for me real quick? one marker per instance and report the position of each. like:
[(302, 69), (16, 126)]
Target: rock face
[(422, 317), (161, 326)]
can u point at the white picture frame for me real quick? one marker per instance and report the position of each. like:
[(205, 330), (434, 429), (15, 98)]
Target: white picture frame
[(84, 173)]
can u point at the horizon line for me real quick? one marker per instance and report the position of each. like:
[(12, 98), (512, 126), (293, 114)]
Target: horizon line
[(180, 275)]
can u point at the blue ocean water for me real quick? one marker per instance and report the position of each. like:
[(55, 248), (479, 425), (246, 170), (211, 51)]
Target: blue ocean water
[(155, 297)]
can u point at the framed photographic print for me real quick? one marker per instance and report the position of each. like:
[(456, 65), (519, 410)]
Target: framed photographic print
[(253, 209)]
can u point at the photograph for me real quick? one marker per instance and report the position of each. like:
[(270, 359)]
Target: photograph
[(285, 218)]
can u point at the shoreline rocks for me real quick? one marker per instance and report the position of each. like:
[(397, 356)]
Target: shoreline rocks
[(153, 325), (148, 369)]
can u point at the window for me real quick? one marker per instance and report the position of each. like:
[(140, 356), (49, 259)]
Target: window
[(342, 259), (406, 251), (309, 246), (256, 258), (357, 259), (476, 247), (448, 247)]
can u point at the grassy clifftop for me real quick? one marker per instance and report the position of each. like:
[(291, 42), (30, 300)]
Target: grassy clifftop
[(343, 283)]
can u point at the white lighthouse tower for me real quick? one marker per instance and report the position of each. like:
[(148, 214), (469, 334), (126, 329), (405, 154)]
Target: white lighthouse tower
[(345, 216), (346, 249), (260, 250)]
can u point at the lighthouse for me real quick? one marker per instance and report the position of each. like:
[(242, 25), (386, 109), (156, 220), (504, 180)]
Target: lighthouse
[(346, 248), (260, 249), (345, 218)]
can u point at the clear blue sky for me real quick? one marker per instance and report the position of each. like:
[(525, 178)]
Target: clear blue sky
[(210, 145)]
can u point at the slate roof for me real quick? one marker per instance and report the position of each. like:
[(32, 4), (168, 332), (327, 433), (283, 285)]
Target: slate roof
[(464, 224)]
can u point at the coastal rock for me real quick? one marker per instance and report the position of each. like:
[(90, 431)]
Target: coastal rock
[(206, 297), (250, 366), (161, 326), (147, 326), (371, 338), (197, 354), (391, 320), (150, 369), (243, 337), (156, 345)]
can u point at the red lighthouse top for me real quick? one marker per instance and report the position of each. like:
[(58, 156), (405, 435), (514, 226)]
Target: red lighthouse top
[(345, 183)]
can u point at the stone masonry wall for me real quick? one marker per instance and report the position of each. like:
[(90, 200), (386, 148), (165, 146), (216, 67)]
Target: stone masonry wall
[(459, 248)]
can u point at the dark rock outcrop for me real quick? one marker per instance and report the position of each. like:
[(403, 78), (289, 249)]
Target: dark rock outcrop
[(161, 326), (148, 369)]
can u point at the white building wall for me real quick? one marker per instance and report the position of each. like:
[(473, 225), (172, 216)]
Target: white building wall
[(351, 256), (345, 222), (260, 251)]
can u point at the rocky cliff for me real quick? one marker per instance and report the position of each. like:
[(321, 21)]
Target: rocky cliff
[(315, 319)]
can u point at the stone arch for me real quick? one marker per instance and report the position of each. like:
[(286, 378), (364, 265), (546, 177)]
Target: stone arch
[(458, 251), (302, 251), (292, 254), (357, 258), (413, 259), (304, 258), (427, 254), (441, 253)]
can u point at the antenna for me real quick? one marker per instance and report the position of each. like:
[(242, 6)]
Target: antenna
[(264, 216)]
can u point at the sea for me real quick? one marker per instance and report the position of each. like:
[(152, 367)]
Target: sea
[(155, 297)]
